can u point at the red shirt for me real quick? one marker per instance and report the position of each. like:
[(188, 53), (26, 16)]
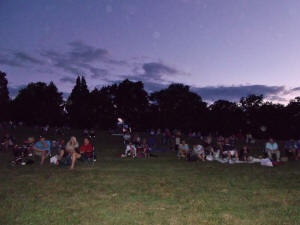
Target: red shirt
[(86, 148)]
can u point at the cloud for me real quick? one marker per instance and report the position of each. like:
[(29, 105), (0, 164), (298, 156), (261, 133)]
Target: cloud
[(18, 59), (23, 57), (14, 90), (81, 59), (67, 79), (234, 93)]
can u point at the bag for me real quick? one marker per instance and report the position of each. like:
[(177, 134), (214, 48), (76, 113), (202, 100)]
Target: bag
[(66, 161)]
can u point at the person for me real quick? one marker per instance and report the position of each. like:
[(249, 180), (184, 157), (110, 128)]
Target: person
[(272, 148), (86, 150), (42, 148), (146, 148), (7, 142), (177, 140), (126, 138), (208, 146), (183, 150), (291, 148), (229, 150), (70, 149), (130, 150), (244, 153), (199, 152)]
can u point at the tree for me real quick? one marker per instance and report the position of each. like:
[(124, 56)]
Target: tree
[(225, 117), (178, 107), (131, 102), (39, 103), (78, 104), (4, 97)]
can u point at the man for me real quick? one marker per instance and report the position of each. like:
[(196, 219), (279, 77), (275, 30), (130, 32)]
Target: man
[(291, 148), (229, 150), (42, 148), (130, 149), (272, 148)]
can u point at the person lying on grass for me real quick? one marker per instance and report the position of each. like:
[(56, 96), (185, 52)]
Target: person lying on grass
[(42, 149), (229, 150), (183, 150), (70, 149)]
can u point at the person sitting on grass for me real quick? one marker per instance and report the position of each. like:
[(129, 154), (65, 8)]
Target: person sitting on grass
[(86, 150), (130, 150), (70, 149), (183, 150), (272, 148), (146, 148), (7, 142), (291, 148), (208, 146), (244, 153), (199, 152), (42, 148), (229, 150)]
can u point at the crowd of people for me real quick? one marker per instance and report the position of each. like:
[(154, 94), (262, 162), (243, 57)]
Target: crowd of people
[(192, 146), (204, 148), (65, 153)]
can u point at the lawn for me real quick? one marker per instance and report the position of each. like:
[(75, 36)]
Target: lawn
[(160, 190)]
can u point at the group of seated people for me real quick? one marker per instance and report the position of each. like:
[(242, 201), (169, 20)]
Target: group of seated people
[(225, 148), (42, 148), (135, 146)]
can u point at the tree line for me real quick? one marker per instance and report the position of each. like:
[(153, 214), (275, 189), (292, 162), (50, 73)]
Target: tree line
[(173, 107)]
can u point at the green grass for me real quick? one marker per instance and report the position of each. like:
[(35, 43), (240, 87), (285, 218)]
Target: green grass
[(160, 190)]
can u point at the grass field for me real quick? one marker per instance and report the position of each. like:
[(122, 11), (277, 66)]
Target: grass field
[(160, 190)]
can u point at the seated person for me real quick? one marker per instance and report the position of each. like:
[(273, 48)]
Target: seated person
[(136, 140), (70, 149), (7, 142), (199, 152), (229, 150), (86, 150), (208, 146), (272, 148), (130, 150), (42, 148), (183, 150), (244, 153), (146, 148), (291, 148)]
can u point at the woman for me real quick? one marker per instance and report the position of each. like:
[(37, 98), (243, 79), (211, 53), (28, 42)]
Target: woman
[(70, 148)]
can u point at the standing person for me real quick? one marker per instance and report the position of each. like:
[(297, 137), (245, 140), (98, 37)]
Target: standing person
[(42, 148), (244, 153), (272, 148)]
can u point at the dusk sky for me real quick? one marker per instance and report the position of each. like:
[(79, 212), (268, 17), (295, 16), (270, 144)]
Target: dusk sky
[(223, 49)]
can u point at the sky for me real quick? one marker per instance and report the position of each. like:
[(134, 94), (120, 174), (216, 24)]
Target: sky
[(222, 49)]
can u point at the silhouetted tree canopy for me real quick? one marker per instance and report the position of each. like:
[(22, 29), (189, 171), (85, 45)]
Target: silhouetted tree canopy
[(173, 107), (4, 97)]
